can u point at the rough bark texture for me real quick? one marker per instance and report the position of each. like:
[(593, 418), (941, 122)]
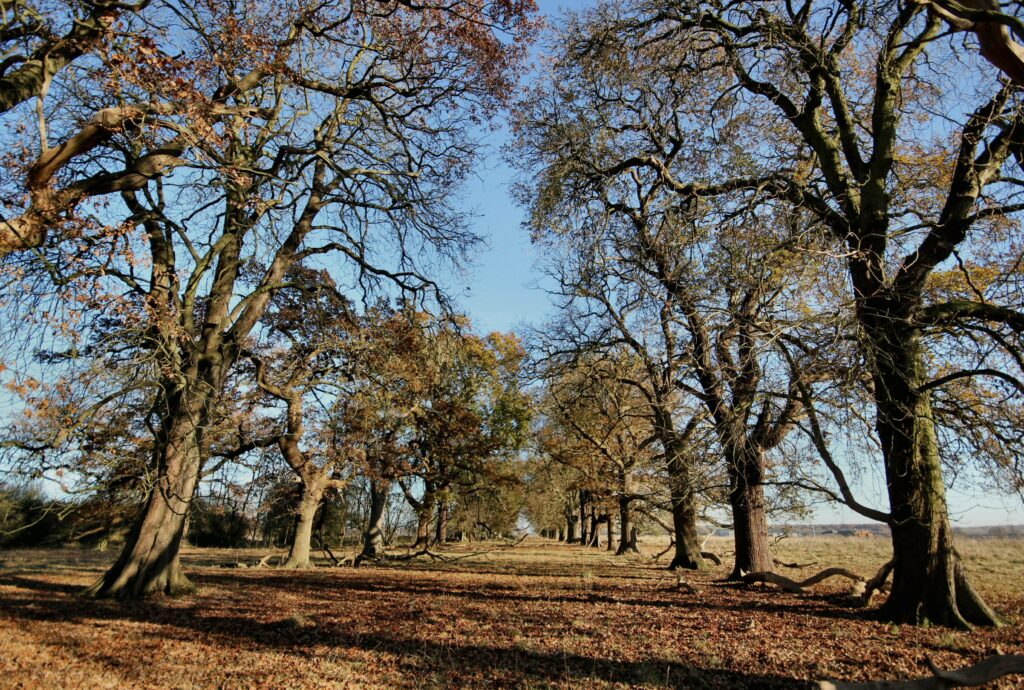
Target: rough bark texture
[(750, 525), (149, 561), (373, 540), (684, 526), (312, 494), (929, 582)]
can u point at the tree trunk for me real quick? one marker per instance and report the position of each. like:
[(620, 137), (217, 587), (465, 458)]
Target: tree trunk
[(595, 534), (373, 540), (570, 529), (929, 584), (750, 524), (424, 513), (684, 525), (611, 534), (627, 542), (584, 535), (149, 560), (441, 535), (312, 494), (684, 508), (561, 534)]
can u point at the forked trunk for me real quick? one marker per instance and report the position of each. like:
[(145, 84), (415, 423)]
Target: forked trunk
[(750, 524), (929, 584), (149, 561), (312, 494), (373, 540)]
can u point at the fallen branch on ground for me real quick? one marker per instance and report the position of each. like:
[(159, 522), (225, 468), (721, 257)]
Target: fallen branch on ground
[(980, 673), (800, 587)]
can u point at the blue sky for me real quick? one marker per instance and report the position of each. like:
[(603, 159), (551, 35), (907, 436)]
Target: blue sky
[(500, 294)]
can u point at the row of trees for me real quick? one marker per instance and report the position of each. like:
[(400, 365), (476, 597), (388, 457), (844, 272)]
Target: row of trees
[(187, 161), (223, 224), (764, 219)]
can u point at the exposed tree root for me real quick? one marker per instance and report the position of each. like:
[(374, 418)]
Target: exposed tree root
[(876, 584), (800, 587), (980, 673), (711, 556), (783, 564), (668, 548)]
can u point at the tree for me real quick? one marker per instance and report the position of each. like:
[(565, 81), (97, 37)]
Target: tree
[(612, 420), (276, 158), (313, 322), (700, 292), (842, 100)]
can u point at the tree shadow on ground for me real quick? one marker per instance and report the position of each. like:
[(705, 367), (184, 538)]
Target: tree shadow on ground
[(458, 663), (312, 583)]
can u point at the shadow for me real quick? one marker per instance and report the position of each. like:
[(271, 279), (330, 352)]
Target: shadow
[(38, 585), (455, 664), (326, 586)]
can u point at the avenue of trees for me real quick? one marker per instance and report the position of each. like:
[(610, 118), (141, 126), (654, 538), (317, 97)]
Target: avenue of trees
[(781, 238)]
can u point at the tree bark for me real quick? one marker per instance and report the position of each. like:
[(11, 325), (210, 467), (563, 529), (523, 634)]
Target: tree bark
[(684, 525), (312, 494), (627, 542), (750, 524), (570, 529), (611, 534), (149, 562), (584, 535), (929, 582), (441, 535), (373, 540)]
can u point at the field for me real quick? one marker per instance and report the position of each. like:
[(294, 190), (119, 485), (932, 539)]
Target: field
[(536, 615)]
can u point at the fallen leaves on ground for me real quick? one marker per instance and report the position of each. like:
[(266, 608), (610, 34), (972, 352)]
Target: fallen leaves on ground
[(540, 615)]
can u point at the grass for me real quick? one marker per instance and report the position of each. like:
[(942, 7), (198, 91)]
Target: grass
[(538, 615)]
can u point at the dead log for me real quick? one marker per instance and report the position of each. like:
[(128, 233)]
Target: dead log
[(980, 673), (800, 587), (262, 563)]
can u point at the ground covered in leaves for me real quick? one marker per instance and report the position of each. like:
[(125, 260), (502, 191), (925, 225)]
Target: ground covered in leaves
[(537, 615)]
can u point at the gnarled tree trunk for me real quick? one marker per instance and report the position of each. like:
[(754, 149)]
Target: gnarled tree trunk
[(929, 582), (373, 540), (149, 562)]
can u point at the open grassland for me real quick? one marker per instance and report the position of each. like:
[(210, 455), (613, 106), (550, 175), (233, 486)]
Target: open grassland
[(540, 614)]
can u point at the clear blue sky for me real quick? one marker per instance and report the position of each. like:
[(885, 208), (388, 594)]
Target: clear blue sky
[(498, 296)]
